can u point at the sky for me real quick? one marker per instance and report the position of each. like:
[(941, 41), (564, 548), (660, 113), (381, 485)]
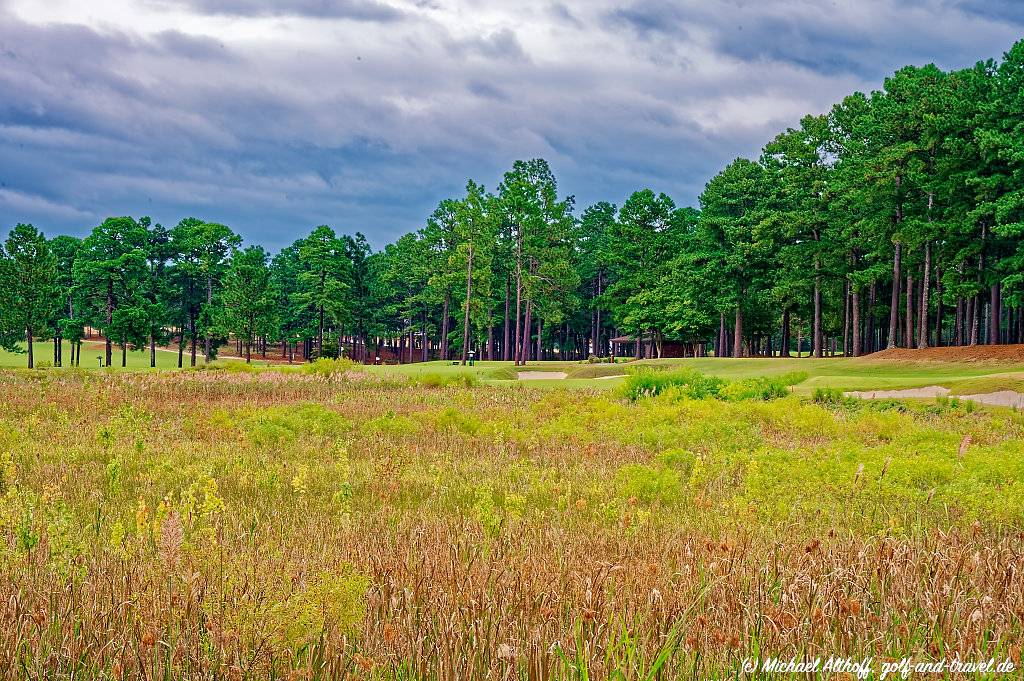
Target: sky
[(275, 116)]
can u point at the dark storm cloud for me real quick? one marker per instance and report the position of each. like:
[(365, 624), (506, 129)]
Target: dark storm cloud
[(867, 39), (998, 10), (261, 116)]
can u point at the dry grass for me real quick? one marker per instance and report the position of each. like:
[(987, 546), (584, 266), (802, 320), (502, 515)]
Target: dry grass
[(292, 525)]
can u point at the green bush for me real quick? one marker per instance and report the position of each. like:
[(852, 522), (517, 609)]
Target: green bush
[(326, 366), (464, 380), (688, 384)]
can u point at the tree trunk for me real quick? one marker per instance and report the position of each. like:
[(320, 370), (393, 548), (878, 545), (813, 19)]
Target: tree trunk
[(894, 306), (720, 341), (995, 314), (908, 322), (540, 346), (524, 352), (846, 318), (870, 333), (31, 350), (192, 334), (209, 301), (817, 331), (940, 308), (858, 342), (958, 323), (469, 295), (320, 333), (506, 343), (786, 331), (974, 314), (124, 354), (108, 347), (737, 347), (922, 315), (152, 350)]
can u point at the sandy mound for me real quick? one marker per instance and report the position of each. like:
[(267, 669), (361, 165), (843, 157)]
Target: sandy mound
[(928, 391), (1003, 398), (976, 353), (540, 375)]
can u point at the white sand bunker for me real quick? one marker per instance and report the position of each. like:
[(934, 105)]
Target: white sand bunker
[(928, 391), (541, 375), (1002, 398), (605, 378)]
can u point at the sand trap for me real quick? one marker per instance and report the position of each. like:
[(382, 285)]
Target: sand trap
[(605, 378), (1002, 398), (928, 391), (541, 375)]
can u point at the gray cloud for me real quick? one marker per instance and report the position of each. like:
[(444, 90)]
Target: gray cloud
[(276, 121), (359, 10)]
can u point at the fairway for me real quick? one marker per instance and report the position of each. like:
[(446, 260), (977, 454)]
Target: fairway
[(841, 373), (92, 355)]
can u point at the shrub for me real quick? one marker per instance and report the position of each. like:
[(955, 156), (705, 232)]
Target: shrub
[(464, 380), (326, 366), (694, 385), (649, 485), (683, 383), (828, 396)]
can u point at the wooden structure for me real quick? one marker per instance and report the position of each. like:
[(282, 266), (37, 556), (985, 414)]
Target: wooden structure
[(651, 349)]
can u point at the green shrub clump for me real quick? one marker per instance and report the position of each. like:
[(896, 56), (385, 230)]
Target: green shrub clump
[(694, 385)]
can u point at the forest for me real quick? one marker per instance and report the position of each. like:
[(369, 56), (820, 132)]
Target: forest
[(892, 220)]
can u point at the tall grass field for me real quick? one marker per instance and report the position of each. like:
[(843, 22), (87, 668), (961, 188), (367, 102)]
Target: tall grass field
[(435, 522)]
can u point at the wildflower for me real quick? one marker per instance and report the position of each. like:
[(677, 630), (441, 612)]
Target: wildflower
[(148, 639)]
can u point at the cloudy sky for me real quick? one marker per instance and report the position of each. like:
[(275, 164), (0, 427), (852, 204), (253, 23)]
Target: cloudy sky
[(274, 116)]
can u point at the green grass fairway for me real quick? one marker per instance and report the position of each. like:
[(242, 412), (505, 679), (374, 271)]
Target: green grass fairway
[(91, 351), (838, 372)]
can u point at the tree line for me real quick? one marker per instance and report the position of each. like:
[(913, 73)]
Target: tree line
[(893, 220)]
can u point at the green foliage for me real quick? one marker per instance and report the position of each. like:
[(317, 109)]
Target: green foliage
[(454, 380), (689, 384)]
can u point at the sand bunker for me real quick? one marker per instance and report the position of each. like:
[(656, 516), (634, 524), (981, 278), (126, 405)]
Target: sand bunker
[(540, 375), (1002, 398), (605, 378), (929, 391)]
